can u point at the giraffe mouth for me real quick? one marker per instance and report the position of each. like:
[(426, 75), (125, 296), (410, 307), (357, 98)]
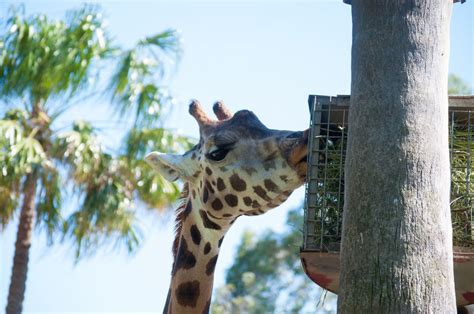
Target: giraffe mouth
[(303, 159), (299, 149), (302, 167), (300, 153)]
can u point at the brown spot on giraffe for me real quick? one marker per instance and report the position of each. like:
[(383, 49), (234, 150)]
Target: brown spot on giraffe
[(211, 265), (195, 235), (208, 171), (207, 222), (217, 204), (261, 192), (220, 185), (255, 204), (185, 259), (271, 186), (209, 186), (187, 293), (188, 209), (247, 201), (237, 183), (231, 200), (205, 195), (207, 248)]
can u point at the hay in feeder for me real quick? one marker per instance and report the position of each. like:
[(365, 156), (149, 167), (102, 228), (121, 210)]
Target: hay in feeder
[(325, 187)]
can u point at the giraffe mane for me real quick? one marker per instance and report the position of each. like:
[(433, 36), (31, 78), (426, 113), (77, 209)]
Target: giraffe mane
[(182, 201), (180, 218)]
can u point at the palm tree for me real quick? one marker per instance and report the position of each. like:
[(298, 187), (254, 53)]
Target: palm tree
[(46, 68)]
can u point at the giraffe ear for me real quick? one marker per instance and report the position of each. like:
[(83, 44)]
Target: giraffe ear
[(170, 166)]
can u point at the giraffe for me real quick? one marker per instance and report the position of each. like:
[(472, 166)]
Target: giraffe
[(239, 167)]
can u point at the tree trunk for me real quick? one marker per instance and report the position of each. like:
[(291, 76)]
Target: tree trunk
[(397, 243), (16, 293)]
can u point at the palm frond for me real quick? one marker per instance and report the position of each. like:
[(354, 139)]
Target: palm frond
[(41, 58), (80, 151), (167, 41), (50, 202), (134, 85), (105, 211)]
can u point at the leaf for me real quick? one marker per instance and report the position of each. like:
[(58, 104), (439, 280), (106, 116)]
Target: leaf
[(50, 202), (42, 58), (105, 212), (133, 86), (167, 41)]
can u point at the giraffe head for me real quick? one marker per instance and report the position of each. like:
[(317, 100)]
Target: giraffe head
[(239, 167)]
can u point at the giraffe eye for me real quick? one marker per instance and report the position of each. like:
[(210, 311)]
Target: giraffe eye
[(218, 154)]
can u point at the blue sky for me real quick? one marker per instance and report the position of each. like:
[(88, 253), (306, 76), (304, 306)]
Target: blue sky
[(266, 57)]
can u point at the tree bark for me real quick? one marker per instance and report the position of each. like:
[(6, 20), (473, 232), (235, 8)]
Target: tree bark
[(397, 243), (16, 292)]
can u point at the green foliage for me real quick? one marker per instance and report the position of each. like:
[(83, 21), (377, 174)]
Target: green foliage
[(330, 190), (43, 65), (133, 85), (462, 187), (461, 173), (41, 58), (267, 277), (456, 86)]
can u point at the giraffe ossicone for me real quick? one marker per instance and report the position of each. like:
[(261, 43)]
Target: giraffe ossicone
[(239, 167)]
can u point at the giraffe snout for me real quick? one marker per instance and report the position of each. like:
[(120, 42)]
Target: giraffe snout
[(297, 153)]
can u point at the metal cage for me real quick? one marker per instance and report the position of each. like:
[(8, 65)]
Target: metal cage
[(324, 201)]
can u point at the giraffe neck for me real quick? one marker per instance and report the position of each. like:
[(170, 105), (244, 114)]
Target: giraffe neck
[(199, 237)]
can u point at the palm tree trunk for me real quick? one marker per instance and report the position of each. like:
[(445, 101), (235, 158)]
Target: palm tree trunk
[(16, 293)]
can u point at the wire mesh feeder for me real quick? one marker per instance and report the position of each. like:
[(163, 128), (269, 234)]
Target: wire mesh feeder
[(325, 191)]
